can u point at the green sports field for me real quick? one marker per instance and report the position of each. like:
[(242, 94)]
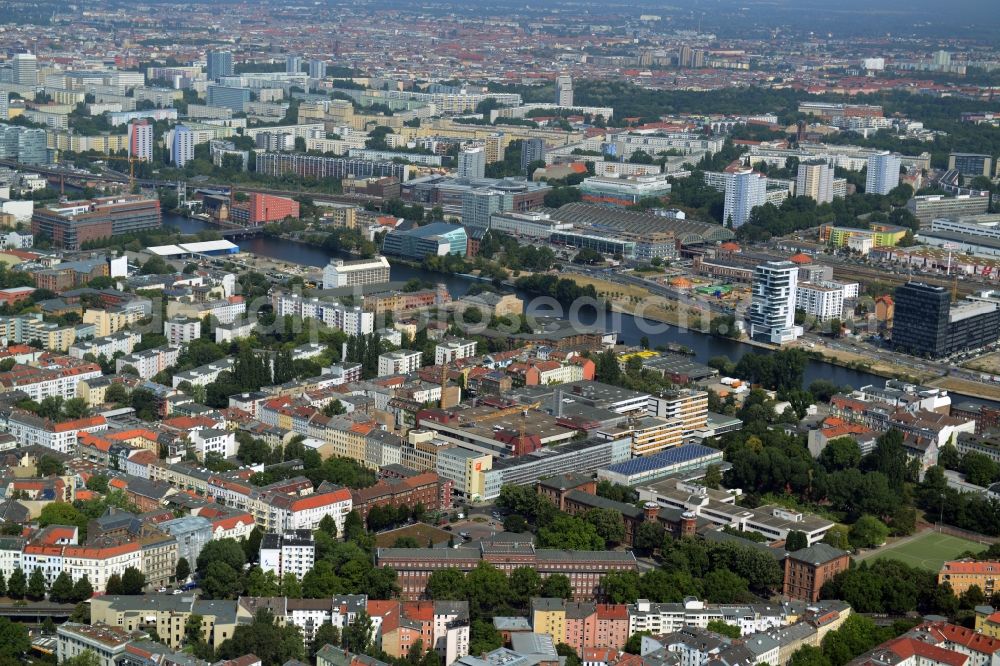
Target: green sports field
[(929, 550)]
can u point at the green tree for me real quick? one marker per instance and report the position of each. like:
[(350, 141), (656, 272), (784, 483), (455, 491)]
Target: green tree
[(446, 585), (558, 586), (193, 631), (620, 587), (609, 525), (260, 584), (634, 643), (979, 469), (82, 590), (725, 587), (796, 541), (114, 585), (713, 477), (133, 581), (357, 636), (807, 655), (62, 589), (525, 583), (86, 658), (36, 585), (224, 551), (272, 644), (183, 570), (17, 584), (572, 658), (220, 581), (648, 537), (721, 627), (840, 453), (14, 641), (326, 634), (571, 533), (868, 532)]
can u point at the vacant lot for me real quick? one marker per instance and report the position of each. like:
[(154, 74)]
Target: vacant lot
[(928, 550), (422, 532)]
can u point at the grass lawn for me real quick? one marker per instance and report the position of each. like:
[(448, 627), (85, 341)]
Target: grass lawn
[(422, 532), (929, 550)]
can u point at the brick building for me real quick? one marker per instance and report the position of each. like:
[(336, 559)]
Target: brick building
[(260, 209), (426, 488), (585, 569), (808, 569)]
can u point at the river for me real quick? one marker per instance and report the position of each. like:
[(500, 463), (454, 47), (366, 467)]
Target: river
[(630, 329)]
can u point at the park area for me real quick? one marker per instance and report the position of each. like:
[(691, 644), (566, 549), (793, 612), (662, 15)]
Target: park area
[(928, 550)]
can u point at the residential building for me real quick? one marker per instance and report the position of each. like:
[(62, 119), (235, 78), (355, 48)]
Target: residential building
[(181, 145), (822, 302), (564, 90), (464, 468), (773, 301), (106, 642), (214, 441), (479, 205), (339, 273), (472, 163), (399, 362), (745, 190), (181, 330), (932, 206), (814, 179), (220, 63), (260, 209), (292, 552), (140, 140), (883, 173), (24, 68), (31, 430), (963, 574), (532, 150), (450, 351)]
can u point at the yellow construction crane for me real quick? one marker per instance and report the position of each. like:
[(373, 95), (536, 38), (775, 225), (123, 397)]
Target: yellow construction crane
[(500, 413), (131, 159)]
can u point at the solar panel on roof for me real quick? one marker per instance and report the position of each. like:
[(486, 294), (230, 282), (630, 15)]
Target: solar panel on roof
[(672, 456)]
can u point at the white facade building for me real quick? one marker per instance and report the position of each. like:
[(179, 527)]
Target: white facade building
[(340, 273), (149, 362), (472, 163), (883, 173), (211, 440), (814, 179), (399, 362), (453, 350), (822, 302), (772, 305), (290, 552), (745, 190), (181, 330)]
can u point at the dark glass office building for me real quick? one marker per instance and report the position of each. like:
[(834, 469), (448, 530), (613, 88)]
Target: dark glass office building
[(927, 324)]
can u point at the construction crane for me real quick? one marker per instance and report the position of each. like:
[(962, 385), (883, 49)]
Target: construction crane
[(510, 411), (131, 159)]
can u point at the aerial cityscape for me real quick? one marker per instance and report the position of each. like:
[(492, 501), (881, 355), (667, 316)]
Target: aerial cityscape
[(508, 334)]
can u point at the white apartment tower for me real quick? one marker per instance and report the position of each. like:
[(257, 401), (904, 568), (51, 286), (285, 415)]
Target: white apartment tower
[(815, 180), (472, 163), (772, 305), (883, 173), (745, 190), (25, 68), (564, 90)]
